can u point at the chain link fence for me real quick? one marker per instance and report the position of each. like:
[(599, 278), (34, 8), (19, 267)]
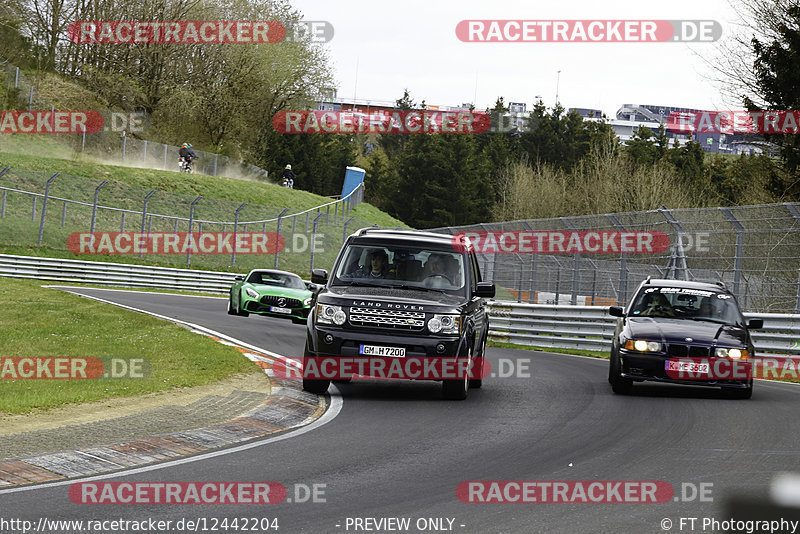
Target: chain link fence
[(754, 250), (115, 144), (38, 208)]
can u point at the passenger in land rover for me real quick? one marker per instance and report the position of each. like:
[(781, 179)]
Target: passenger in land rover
[(405, 296)]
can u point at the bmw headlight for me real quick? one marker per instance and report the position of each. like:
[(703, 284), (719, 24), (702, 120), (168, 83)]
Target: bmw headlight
[(734, 354), (640, 345), (444, 324), (327, 314), (251, 293)]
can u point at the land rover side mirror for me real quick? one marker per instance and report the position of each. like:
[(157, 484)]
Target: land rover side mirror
[(239, 278), (755, 324), (485, 290), (616, 311), (319, 276)]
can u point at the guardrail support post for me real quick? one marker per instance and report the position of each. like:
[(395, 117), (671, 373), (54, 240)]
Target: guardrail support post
[(144, 213), (94, 205), (191, 221), (236, 229), (44, 205), (278, 236)]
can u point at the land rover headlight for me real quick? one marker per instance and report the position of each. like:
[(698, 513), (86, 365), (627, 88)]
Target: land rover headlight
[(444, 324), (327, 314), (251, 293)]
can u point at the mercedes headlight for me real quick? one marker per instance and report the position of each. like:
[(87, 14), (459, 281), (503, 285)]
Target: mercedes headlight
[(640, 345), (251, 293), (444, 324), (327, 314), (307, 302)]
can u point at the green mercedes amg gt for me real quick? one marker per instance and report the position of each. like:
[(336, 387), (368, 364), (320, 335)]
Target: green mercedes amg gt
[(273, 293)]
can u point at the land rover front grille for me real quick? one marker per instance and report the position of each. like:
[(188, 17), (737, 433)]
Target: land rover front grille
[(394, 319)]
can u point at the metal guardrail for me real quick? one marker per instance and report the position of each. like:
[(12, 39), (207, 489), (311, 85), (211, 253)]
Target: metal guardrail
[(538, 325), (115, 274), (592, 328)]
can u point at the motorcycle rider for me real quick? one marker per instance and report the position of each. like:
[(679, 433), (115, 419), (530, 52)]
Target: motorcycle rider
[(288, 176), (187, 155)]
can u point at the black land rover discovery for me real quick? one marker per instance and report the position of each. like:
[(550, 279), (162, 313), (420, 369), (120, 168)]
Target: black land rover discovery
[(410, 298)]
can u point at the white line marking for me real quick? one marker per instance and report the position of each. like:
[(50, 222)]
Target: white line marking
[(332, 411)]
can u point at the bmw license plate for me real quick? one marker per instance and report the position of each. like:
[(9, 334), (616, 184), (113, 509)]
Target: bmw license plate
[(689, 367), (375, 350), (275, 309)]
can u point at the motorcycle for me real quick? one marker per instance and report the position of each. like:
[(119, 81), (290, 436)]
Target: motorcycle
[(185, 165), (287, 183)]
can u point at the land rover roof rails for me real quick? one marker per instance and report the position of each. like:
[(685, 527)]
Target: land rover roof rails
[(363, 231), (721, 284), (648, 280)]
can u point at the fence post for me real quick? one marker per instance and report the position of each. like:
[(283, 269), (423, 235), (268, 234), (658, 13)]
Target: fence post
[(623, 266), (94, 205), (16, 78), (739, 254), (677, 260), (314, 239), (344, 232), (5, 170), (44, 204), (165, 157), (64, 214), (294, 222), (191, 220), (215, 163), (796, 214), (278, 237), (30, 100), (144, 213), (33, 210), (122, 224), (576, 266), (236, 229)]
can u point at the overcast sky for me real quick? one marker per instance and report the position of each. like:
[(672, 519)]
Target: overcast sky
[(382, 47)]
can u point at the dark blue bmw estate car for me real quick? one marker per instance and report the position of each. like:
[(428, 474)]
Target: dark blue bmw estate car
[(684, 333)]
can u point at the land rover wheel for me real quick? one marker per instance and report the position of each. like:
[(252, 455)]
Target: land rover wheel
[(456, 389), (312, 385)]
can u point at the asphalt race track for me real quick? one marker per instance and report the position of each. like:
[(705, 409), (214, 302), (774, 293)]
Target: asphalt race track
[(397, 450)]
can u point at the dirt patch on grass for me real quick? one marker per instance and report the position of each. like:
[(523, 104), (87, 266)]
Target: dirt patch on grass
[(112, 408)]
